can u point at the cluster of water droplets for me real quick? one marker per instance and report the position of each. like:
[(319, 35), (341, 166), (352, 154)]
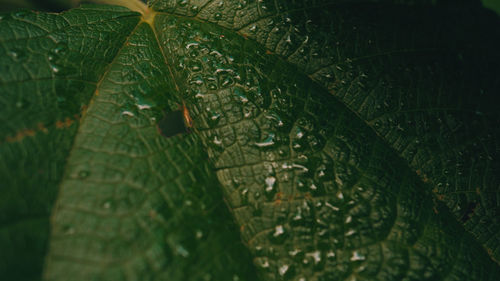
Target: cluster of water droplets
[(277, 141)]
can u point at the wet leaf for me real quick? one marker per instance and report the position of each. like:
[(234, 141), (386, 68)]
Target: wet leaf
[(250, 140)]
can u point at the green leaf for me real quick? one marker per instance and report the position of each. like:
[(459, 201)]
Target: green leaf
[(339, 140)]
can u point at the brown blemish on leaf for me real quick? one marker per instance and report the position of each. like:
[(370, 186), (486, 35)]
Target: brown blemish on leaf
[(64, 124), (40, 128), (277, 201), (20, 135)]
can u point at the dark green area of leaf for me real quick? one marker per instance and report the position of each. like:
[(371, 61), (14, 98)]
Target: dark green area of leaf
[(350, 141)]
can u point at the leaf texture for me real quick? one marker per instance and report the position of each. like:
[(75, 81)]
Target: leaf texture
[(350, 141)]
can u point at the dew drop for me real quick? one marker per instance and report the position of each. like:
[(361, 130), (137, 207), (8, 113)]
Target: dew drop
[(60, 49), (128, 113), (264, 263), (299, 133), (340, 195), (316, 256), (106, 205), (348, 219), (239, 93), (143, 106), (269, 141), (279, 234), (183, 3), (218, 16), (275, 118), (55, 68), (330, 255), (294, 252), (283, 269), (195, 67), (217, 141), (180, 250), (197, 80), (350, 232), (244, 196), (192, 45), (357, 256), (17, 54), (270, 181)]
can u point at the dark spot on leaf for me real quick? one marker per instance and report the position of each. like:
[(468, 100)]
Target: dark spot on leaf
[(172, 124)]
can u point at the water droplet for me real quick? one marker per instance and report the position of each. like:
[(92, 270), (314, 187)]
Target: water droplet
[(194, 44), (17, 54), (244, 196), (269, 141), (340, 195), (179, 249), (264, 263), (214, 116), (240, 94), (316, 256), (270, 181), (197, 80), (294, 252), (217, 141), (183, 3), (279, 234), (106, 205), (218, 16), (128, 113), (350, 232), (60, 49), (299, 133), (357, 256), (253, 28), (55, 68), (22, 103), (283, 269), (275, 118), (195, 66), (143, 106)]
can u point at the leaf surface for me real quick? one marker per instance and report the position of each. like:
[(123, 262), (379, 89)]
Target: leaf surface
[(346, 147)]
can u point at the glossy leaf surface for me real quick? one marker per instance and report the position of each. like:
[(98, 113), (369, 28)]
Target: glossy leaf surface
[(334, 140)]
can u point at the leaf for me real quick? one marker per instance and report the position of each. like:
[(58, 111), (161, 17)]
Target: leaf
[(349, 140)]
